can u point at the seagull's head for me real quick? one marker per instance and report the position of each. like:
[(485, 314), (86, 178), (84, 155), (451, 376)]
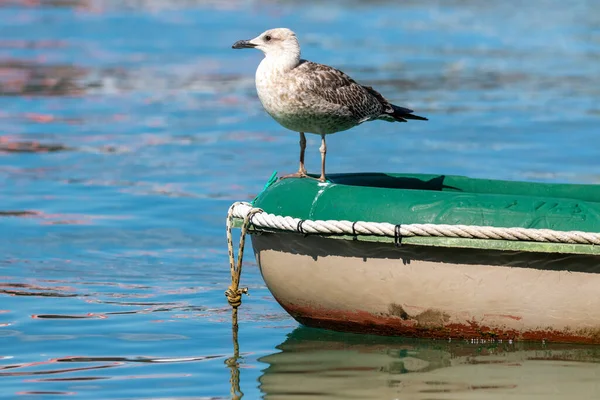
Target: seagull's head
[(278, 42)]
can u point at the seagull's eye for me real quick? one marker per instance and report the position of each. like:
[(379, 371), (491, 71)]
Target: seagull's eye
[(267, 38)]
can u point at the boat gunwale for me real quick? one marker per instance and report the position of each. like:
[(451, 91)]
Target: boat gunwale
[(449, 242)]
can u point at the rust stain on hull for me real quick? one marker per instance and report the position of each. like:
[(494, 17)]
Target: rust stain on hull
[(429, 324), (515, 317)]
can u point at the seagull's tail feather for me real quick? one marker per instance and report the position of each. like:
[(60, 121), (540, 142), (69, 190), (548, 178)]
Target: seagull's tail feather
[(402, 114), (392, 112)]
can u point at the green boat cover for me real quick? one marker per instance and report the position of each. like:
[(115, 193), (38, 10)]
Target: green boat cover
[(436, 199)]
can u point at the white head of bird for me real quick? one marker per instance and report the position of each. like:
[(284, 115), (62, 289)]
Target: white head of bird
[(279, 45)]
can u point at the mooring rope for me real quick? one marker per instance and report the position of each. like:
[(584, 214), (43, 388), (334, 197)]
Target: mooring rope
[(354, 228), (234, 293), (233, 363)]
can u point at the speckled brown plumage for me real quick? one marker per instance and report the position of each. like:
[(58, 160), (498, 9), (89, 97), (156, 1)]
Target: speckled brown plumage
[(316, 98)]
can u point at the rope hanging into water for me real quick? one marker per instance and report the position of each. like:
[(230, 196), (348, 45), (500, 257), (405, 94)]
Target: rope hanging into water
[(265, 220), (234, 293), (233, 363)]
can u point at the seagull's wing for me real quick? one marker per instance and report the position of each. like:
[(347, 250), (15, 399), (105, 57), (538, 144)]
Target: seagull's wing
[(361, 102), (339, 90)]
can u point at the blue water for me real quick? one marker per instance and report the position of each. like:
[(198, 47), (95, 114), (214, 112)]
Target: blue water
[(127, 128)]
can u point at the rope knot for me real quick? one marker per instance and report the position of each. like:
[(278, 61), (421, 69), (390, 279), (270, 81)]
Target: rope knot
[(234, 296), (234, 293)]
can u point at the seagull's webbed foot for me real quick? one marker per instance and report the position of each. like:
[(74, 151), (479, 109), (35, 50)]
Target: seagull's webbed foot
[(299, 174)]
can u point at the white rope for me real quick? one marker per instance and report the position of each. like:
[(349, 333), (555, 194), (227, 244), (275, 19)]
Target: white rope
[(272, 221)]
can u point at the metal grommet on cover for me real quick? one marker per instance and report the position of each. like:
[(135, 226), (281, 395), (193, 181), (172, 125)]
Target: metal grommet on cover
[(398, 235), (299, 227)]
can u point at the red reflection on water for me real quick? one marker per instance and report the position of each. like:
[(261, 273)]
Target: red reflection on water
[(29, 147), (61, 219), (42, 118), (47, 3), (19, 77), (24, 3), (230, 100), (120, 117)]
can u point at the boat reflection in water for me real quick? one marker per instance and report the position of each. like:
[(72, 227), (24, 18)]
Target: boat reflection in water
[(319, 364)]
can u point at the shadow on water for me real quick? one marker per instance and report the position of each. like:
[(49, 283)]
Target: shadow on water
[(314, 364)]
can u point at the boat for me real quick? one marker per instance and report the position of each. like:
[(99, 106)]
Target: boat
[(431, 256)]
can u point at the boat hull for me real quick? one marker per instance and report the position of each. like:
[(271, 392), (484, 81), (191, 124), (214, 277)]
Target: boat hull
[(424, 291)]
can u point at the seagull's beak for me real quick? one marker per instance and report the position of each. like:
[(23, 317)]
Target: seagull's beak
[(243, 44)]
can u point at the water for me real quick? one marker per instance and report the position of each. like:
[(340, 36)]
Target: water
[(127, 128)]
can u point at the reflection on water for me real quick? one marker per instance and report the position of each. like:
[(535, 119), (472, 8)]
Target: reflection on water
[(18, 78), (315, 364)]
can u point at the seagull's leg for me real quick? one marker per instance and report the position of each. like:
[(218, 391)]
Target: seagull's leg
[(301, 170), (323, 150)]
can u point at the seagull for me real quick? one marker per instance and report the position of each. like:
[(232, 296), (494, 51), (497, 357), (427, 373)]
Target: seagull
[(308, 97)]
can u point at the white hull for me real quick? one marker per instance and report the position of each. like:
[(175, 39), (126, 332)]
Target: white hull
[(421, 291)]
